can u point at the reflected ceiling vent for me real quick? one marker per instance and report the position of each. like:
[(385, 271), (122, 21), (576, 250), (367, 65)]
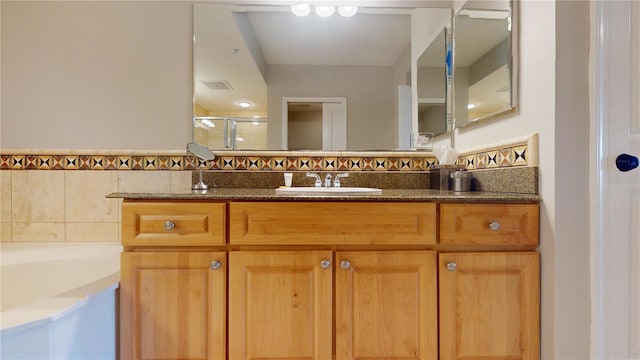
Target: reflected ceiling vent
[(218, 85)]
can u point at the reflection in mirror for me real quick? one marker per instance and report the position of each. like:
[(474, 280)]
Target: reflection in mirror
[(261, 54), (305, 125), (485, 72), (231, 133), (432, 87)]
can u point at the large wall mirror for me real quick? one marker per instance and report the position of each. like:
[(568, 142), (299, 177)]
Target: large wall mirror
[(485, 49), (248, 59)]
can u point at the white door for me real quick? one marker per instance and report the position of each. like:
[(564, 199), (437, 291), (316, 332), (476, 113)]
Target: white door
[(616, 245), (334, 127)]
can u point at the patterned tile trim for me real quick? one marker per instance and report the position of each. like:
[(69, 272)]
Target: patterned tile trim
[(516, 154), (513, 155)]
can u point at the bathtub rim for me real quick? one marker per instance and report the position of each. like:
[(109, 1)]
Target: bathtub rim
[(50, 309)]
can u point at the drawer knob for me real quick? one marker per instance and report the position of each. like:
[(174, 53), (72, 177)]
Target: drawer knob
[(169, 225), (451, 266), (345, 264), (494, 226), (325, 264), (215, 265)]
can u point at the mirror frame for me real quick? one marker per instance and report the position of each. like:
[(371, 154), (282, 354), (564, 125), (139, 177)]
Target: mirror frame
[(513, 61)]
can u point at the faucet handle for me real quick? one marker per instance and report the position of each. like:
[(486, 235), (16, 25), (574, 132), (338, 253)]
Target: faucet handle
[(336, 180), (318, 182)]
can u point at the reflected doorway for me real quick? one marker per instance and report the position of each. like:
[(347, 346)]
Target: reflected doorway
[(314, 123)]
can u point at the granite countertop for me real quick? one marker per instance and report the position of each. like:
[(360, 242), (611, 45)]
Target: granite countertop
[(249, 194)]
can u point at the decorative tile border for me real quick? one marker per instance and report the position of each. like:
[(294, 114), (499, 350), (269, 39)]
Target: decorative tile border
[(515, 154)]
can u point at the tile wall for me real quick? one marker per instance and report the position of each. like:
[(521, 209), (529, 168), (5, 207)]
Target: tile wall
[(70, 205), (60, 195)]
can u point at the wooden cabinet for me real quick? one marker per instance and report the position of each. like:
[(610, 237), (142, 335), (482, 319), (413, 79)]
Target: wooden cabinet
[(489, 305), (280, 305), (175, 223), (386, 305), (332, 223), (173, 305), (329, 280), (489, 224)]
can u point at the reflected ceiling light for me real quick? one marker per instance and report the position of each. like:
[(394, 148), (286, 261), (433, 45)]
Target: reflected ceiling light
[(301, 9), (324, 10), (348, 11), (208, 123), (244, 104), (471, 106)]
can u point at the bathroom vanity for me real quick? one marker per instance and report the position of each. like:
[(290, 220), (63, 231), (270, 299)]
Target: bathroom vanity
[(408, 274)]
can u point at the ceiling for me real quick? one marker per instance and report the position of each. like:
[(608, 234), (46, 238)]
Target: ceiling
[(223, 46)]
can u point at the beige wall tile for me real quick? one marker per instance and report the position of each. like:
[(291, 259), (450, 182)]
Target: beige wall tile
[(181, 181), (92, 232), (85, 193), (37, 196), (5, 196), (144, 181), (37, 232), (5, 232)]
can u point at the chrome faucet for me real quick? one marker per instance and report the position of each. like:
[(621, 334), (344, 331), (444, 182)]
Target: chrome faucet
[(318, 182), (336, 180), (327, 181)]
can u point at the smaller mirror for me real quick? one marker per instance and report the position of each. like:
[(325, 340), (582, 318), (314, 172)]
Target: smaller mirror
[(485, 69), (432, 87), (203, 154)]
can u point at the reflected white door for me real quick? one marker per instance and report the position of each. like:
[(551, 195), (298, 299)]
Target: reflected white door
[(334, 127), (616, 250)]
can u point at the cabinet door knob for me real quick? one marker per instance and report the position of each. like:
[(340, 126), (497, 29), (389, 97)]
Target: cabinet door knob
[(325, 264), (345, 264), (451, 266), (215, 265), (494, 226), (169, 225)]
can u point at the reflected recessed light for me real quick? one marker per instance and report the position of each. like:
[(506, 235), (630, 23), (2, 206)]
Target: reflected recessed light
[(208, 123), (244, 104), (348, 11), (471, 106), (301, 9), (324, 10)]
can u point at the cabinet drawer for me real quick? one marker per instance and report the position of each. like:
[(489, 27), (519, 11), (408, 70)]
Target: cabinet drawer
[(489, 224), (332, 223), (173, 223)]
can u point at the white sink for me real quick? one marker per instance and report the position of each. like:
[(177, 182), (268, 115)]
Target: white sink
[(309, 190)]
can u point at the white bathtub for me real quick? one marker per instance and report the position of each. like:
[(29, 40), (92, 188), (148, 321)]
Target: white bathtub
[(58, 301)]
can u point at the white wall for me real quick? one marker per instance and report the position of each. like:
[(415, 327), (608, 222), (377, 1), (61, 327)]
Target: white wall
[(96, 75)]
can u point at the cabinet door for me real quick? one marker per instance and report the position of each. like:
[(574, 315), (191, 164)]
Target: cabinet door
[(172, 305), (386, 305), (489, 305), (280, 305)]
